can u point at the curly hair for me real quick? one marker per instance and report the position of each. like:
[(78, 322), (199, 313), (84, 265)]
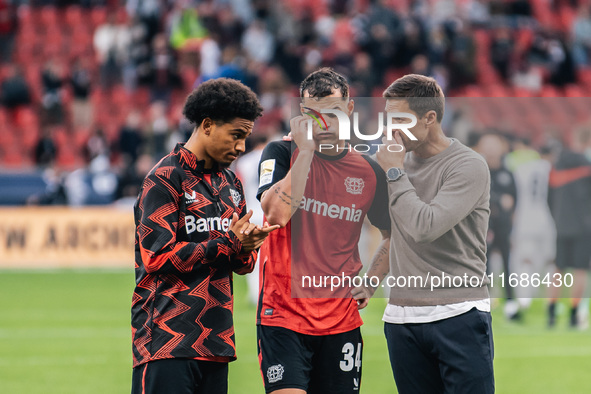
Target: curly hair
[(321, 83), (222, 100)]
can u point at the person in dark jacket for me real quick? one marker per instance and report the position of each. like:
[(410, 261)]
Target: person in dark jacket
[(192, 232), (569, 195)]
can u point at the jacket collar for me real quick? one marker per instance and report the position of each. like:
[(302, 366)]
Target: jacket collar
[(188, 159)]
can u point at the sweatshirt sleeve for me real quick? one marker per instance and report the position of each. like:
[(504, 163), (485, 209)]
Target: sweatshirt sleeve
[(459, 193)]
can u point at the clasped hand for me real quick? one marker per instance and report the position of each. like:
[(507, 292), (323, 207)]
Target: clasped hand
[(251, 235)]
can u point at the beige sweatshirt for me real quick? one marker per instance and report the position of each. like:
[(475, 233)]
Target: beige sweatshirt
[(439, 214)]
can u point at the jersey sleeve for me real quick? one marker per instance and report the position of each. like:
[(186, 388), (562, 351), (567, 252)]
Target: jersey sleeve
[(157, 219), (243, 263), (378, 212), (274, 165)]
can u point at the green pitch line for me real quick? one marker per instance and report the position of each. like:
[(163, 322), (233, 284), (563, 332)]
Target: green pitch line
[(69, 331)]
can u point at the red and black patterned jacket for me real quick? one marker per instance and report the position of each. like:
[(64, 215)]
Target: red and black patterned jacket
[(184, 258)]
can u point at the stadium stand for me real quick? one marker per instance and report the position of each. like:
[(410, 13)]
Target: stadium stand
[(125, 48)]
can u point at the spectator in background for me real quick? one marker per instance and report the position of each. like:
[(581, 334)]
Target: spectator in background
[(185, 26), (136, 67), (157, 131), (477, 12), (131, 177), (14, 90), (52, 78), (581, 36), (501, 51), (527, 77), (229, 27), (111, 43), (383, 31), (94, 184), (97, 145), (363, 79), (273, 86), (148, 13), (569, 194), (8, 26), (462, 57), (46, 149), (414, 43), (438, 45), (211, 55), (561, 64), (164, 76), (54, 193), (236, 66), (420, 65), (258, 43), (80, 81), (130, 138)]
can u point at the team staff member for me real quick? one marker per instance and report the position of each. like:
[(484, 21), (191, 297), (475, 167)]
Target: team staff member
[(192, 232), (440, 340), (307, 342)]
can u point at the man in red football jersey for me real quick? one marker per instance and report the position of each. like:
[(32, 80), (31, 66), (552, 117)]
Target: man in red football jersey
[(311, 341), (192, 232)]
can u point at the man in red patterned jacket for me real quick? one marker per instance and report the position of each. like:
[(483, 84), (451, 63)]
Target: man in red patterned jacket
[(192, 232)]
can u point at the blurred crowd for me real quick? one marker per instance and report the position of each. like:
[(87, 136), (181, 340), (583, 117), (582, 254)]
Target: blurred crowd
[(96, 86)]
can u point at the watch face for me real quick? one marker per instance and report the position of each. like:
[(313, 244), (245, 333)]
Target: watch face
[(393, 174)]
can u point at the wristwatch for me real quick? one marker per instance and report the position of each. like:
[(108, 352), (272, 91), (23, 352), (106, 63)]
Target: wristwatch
[(393, 174)]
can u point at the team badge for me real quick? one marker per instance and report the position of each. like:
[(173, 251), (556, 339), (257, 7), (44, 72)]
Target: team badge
[(236, 197), (267, 169), (275, 373), (354, 185)]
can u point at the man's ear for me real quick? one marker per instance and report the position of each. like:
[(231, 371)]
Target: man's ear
[(350, 107), (431, 117), (206, 126)]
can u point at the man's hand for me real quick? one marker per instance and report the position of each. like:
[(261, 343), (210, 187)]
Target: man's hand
[(251, 236), (362, 295), (391, 158), (299, 133)]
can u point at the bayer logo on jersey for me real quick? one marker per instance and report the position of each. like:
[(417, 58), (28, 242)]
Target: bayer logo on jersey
[(275, 373), (236, 197), (354, 185)]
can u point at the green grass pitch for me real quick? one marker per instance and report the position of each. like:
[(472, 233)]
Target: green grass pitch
[(68, 332)]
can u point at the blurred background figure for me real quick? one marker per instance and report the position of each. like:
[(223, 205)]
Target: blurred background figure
[(503, 197), (14, 90), (8, 28), (534, 236), (570, 195), (81, 84), (46, 149), (52, 105), (246, 169)]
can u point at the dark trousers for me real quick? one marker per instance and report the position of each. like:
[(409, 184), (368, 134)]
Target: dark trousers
[(453, 355), (180, 376)]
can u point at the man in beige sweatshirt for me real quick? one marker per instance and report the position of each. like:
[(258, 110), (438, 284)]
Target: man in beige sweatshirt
[(437, 322)]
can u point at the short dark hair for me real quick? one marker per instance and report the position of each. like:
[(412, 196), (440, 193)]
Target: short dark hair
[(321, 83), (422, 93), (222, 100)]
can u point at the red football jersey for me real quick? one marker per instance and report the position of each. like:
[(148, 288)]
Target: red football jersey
[(320, 241)]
